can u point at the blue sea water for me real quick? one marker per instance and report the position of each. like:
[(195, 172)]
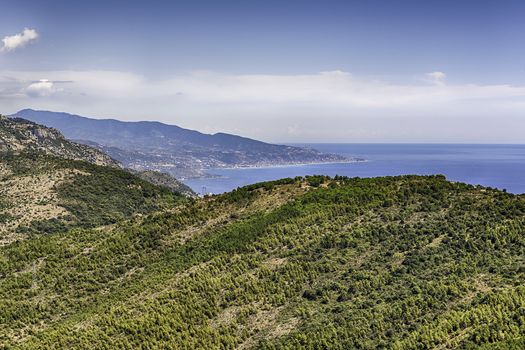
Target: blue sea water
[(500, 166)]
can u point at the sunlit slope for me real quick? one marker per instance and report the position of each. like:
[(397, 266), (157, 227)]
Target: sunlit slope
[(397, 263)]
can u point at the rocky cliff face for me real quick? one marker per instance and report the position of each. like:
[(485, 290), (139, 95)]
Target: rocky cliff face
[(19, 135)]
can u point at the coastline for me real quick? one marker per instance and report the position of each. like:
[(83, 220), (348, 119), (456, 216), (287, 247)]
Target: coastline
[(497, 167), (287, 165)]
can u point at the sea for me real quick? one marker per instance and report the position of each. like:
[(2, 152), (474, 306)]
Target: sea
[(497, 166)]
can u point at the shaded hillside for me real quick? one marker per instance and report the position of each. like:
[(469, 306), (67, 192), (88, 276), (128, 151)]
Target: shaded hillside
[(182, 152), (394, 263)]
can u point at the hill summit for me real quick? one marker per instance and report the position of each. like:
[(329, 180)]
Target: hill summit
[(405, 262)]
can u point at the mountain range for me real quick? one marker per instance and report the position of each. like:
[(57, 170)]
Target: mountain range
[(169, 148)]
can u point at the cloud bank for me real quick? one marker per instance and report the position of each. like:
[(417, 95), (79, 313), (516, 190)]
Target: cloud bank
[(16, 41), (437, 78), (41, 88), (327, 106)]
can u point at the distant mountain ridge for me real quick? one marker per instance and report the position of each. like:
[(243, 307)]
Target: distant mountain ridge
[(182, 152)]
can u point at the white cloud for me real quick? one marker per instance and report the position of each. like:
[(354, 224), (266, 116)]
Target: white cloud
[(437, 78), (327, 106), (19, 40), (41, 88)]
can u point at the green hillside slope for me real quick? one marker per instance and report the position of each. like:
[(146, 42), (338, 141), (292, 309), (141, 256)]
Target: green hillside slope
[(50, 184), (393, 263), (46, 194)]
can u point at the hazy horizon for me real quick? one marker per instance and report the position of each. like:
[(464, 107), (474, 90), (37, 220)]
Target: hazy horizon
[(298, 143), (300, 71)]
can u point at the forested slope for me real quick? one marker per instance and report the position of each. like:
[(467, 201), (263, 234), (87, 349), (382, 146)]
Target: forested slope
[(50, 184), (42, 194), (395, 263)]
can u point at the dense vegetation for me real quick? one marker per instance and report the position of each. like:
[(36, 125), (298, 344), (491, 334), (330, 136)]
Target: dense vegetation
[(395, 263)]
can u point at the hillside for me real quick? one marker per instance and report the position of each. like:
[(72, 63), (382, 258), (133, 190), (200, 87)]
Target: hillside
[(46, 194), (49, 184), (19, 135), (181, 152), (394, 263)]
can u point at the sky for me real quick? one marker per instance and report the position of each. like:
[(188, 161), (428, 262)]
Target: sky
[(279, 71)]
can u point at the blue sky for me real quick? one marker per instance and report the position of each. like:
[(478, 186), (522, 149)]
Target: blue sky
[(343, 71)]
